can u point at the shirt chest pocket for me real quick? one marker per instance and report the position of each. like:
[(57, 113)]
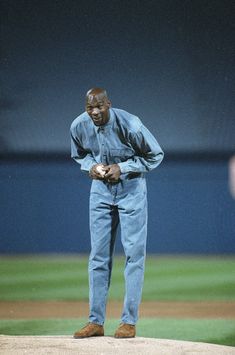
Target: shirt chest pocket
[(120, 155)]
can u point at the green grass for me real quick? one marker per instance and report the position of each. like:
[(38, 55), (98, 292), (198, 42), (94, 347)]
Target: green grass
[(217, 331), (166, 278)]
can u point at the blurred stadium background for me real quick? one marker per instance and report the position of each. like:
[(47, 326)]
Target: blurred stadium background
[(170, 63)]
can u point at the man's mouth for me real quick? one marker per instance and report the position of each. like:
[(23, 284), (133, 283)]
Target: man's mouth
[(97, 119)]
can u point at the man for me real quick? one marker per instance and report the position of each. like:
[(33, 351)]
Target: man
[(117, 150)]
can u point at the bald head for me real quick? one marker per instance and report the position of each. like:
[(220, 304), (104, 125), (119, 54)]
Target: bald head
[(97, 106), (101, 93)]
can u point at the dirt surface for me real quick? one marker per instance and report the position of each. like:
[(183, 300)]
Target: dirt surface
[(72, 309), (105, 345)]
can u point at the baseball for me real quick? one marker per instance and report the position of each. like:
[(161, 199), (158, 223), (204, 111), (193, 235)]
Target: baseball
[(100, 170)]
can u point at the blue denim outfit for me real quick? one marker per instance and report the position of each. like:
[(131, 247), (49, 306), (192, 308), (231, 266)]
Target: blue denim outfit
[(125, 141)]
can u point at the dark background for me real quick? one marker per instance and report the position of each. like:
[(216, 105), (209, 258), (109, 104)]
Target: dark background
[(169, 62), (172, 63)]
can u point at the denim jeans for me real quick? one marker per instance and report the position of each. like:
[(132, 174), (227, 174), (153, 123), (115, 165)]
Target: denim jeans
[(123, 203)]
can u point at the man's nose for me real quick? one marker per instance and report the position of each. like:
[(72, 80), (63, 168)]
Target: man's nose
[(95, 111)]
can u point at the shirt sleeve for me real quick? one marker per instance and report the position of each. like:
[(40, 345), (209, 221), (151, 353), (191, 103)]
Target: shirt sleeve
[(148, 153), (80, 155)]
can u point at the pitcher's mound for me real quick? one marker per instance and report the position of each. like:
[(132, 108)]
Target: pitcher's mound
[(105, 345)]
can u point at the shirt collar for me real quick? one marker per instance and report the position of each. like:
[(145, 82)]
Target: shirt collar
[(108, 124)]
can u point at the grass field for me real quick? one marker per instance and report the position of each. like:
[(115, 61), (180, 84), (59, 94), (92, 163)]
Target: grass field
[(166, 278)]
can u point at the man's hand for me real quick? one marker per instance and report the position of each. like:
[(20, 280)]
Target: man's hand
[(112, 172), (97, 172)]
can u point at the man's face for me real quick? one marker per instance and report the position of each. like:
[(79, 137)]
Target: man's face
[(97, 107)]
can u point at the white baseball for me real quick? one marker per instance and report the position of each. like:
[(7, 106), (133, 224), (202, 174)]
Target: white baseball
[(100, 170)]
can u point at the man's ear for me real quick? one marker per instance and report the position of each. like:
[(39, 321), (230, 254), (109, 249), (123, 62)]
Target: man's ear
[(109, 103)]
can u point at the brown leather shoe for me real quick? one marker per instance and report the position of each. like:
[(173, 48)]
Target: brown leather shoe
[(125, 331), (90, 330)]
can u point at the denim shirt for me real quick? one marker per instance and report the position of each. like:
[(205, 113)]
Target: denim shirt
[(123, 140)]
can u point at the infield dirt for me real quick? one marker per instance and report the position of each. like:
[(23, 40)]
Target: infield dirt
[(74, 309)]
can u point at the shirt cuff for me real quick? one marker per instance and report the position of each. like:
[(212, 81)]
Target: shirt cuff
[(124, 167), (86, 166)]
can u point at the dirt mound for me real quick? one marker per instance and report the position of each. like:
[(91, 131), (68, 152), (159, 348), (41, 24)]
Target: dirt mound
[(105, 346)]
